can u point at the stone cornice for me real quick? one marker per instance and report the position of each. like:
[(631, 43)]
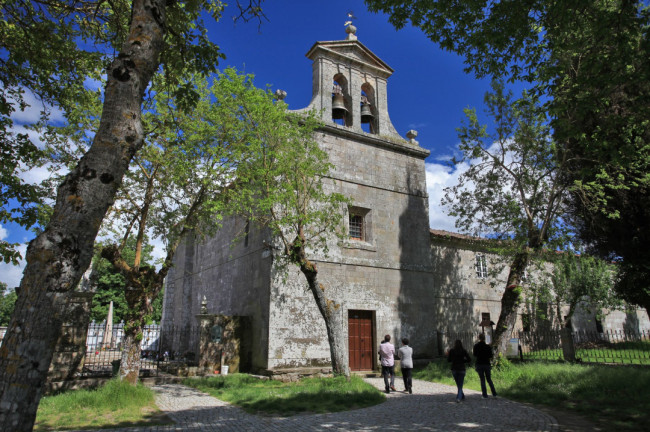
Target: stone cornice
[(376, 140)]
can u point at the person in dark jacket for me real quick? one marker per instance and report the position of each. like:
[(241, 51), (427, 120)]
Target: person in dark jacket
[(458, 357), (483, 354)]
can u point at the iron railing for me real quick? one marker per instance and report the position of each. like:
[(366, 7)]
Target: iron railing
[(606, 347)]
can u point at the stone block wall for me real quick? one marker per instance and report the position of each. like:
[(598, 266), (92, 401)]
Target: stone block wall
[(234, 349), (233, 273)]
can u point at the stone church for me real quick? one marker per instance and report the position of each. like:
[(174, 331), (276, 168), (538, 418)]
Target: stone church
[(392, 275)]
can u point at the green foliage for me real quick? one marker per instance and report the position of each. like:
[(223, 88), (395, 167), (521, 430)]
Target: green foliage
[(617, 398), (590, 62), (584, 278), (282, 186), (109, 285), (510, 189), (52, 49), (7, 302), (319, 395), (115, 403)]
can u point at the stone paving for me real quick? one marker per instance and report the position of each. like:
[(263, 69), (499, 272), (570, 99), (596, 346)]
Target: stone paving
[(431, 407)]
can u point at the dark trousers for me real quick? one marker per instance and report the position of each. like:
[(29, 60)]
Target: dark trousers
[(484, 373), (387, 371), (408, 380), (459, 377)]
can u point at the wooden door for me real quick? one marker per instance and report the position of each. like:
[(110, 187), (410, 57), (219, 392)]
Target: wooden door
[(360, 346)]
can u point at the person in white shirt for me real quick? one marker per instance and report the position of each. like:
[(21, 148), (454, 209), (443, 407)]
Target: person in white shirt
[(387, 359), (405, 354)]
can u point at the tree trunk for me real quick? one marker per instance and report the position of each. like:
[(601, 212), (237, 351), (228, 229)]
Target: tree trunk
[(330, 310), (58, 257), (509, 303), (130, 361)]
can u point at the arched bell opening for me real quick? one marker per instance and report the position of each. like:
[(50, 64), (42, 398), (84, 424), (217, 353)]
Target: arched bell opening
[(368, 109), (341, 106)]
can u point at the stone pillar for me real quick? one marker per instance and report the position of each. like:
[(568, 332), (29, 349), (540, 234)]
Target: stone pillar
[(568, 349), (224, 341), (70, 349)]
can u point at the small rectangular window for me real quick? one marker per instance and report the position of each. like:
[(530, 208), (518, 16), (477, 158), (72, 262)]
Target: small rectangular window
[(356, 227), (481, 266)]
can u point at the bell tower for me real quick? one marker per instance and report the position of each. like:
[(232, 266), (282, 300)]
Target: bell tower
[(349, 86)]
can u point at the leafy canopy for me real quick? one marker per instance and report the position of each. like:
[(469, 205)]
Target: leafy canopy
[(56, 51), (510, 189)]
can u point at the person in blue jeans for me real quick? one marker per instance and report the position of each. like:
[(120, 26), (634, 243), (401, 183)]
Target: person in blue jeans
[(483, 354), (458, 357)]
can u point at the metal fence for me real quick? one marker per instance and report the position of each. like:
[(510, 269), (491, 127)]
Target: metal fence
[(606, 347), (104, 346), (609, 346)]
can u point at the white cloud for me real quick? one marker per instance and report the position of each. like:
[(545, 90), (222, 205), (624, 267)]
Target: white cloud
[(32, 112), (440, 177), (159, 252), (3, 233), (11, 274)]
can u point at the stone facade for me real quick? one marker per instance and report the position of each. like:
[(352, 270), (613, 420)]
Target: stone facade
[(400, 277), (464, 297)]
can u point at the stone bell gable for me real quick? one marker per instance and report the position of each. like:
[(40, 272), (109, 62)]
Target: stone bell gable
[(360, 76)]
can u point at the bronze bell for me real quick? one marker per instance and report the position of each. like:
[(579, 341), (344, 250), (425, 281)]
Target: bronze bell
[(339, 111), (366, 113)]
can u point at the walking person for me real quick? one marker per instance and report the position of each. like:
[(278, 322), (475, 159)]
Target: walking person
[(458, 357), (405, 354), (483, 354), (387, 359)]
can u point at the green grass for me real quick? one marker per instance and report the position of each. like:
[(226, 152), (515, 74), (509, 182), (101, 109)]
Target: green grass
[(116, 404), (614, 396), (315, 395)]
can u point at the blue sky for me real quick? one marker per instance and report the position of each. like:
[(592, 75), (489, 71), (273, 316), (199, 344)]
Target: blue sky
[(427, 92)]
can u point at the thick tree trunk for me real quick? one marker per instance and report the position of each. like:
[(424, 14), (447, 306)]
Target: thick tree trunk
[(130, 361), (58, 257), (330, 310), (510, 303), (139, 296)]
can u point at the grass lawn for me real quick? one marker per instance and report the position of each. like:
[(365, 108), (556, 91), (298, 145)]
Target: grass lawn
[(315, 395), (115, 404), (617, 397)]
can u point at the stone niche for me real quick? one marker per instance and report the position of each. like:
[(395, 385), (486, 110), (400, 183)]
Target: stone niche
[(224, 341)]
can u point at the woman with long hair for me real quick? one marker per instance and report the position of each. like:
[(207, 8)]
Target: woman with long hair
[(458, 357)]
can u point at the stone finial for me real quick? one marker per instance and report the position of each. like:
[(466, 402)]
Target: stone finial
[(411, 135), (204, 306), (280, 94), (351, 30)]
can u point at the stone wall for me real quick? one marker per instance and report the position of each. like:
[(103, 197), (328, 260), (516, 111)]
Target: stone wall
[(233, 273), (388, 272), (462, 296)]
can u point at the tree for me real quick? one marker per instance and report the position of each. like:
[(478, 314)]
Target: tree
[(180, 183), (109, 285), (511, 190), (591, 61), (7, 302), (580, 279), (283, 189), (47, 39)]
